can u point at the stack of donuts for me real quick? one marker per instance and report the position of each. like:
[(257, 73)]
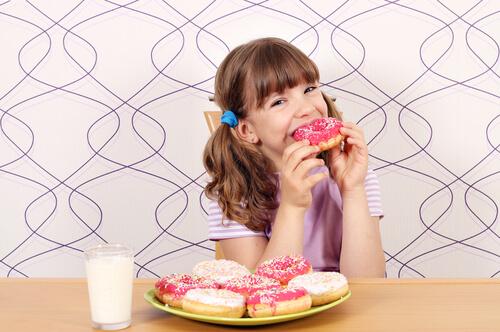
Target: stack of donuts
[(224, 288)]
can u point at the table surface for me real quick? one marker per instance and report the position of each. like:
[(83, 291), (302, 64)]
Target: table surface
[(375, 305)]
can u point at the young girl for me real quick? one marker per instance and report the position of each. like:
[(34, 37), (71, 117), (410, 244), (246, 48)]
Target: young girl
[(272, 196)]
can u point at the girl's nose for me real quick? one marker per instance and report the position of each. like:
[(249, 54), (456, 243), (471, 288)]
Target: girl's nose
[(304, 108)]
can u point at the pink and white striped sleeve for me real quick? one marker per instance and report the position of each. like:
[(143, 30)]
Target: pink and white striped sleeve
[(372, 189), (227, 229)]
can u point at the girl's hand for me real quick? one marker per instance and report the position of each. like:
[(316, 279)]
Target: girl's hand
[(296, 183), (349, 167)]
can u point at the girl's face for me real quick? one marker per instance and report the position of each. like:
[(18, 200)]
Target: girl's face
[(271, 126)]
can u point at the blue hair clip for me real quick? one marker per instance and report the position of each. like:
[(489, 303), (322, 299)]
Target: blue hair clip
[(229, 118)]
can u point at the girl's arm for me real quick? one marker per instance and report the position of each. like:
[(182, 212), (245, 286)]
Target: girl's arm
[(288, 228), (361, 254), (287, 239)]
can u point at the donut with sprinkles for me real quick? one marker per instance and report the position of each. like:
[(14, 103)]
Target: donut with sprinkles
[(278, 301), (284, 268), (220, 270), (249, 284), (172, 288), (214, 302), (324, 287), (323, 132)]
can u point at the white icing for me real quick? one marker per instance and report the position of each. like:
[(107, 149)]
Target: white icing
[(318, 283), (221, 297), (220, 270)]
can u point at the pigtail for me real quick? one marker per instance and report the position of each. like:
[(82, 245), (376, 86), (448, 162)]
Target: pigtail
[(332, 108), (240, 180)]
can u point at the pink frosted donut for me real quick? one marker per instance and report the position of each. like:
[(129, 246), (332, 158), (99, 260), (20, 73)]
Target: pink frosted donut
[(249, 284), (220, 270), (172, 288), (278, 301), (324, 287), (323, 132), (284, 268)]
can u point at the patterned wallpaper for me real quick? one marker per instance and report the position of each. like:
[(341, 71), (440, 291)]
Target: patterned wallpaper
[(102, 128)]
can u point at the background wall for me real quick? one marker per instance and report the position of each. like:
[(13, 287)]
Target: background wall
[(102, 128)]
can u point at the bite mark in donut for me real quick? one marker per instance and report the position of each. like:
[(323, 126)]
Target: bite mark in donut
[(323, 132)]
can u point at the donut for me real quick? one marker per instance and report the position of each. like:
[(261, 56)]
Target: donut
[(324, 287), (323, 132), (220, 270), (284, 268), (278, 301), (249, 284), (172, 288), (214, 302)]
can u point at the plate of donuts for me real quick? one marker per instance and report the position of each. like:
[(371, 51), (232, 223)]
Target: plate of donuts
[(224, 292), (245, 321)]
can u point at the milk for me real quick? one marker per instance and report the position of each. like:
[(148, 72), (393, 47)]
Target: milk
[(110, 279)]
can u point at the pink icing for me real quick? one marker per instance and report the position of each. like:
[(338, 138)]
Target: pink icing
[(284, 268), (249, 284), (272, 296), (178, 284), (320, 130)]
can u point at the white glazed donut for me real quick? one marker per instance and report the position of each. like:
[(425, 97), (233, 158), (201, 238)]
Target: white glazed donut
[(324, 287), (220, 270), (214, 302)]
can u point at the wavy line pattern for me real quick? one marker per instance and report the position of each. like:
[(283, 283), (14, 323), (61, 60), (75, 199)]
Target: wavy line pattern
[(101, 126)]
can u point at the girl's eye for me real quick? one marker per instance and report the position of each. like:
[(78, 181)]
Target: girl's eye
[(309, 89), (277, 102)]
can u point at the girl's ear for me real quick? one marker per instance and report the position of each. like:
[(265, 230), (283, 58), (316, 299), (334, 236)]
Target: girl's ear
[(246, 132)]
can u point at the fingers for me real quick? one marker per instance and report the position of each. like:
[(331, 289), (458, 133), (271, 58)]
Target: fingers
[(299, 161), (306, 166), (316, 178), (354, 137), (297, 153), (351, 130)]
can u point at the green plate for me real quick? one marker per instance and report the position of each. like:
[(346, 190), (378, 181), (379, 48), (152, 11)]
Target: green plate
[(150, 297)]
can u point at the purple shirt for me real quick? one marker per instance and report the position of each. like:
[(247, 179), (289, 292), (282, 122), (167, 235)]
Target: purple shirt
[(322, 222)]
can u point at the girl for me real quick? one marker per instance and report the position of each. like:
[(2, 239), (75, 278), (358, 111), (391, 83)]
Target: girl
[(272, 196)]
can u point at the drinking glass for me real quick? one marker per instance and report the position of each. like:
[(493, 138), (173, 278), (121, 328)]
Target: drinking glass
[(110, 270)]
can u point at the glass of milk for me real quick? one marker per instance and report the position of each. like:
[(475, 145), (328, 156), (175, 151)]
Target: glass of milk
[(110, 271)]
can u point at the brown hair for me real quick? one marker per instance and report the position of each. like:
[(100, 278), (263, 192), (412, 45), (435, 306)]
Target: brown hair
[(242, 180)]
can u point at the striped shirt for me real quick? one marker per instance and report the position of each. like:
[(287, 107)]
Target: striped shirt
[(322, 222)]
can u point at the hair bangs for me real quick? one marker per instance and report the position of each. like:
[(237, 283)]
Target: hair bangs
[(274, 69)]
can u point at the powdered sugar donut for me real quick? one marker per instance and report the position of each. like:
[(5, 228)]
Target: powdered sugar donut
[(214, 302), (220, 270), (249, 284), (323, 132), (284, 268), (172, 288), (324, 287), (279, 301)]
